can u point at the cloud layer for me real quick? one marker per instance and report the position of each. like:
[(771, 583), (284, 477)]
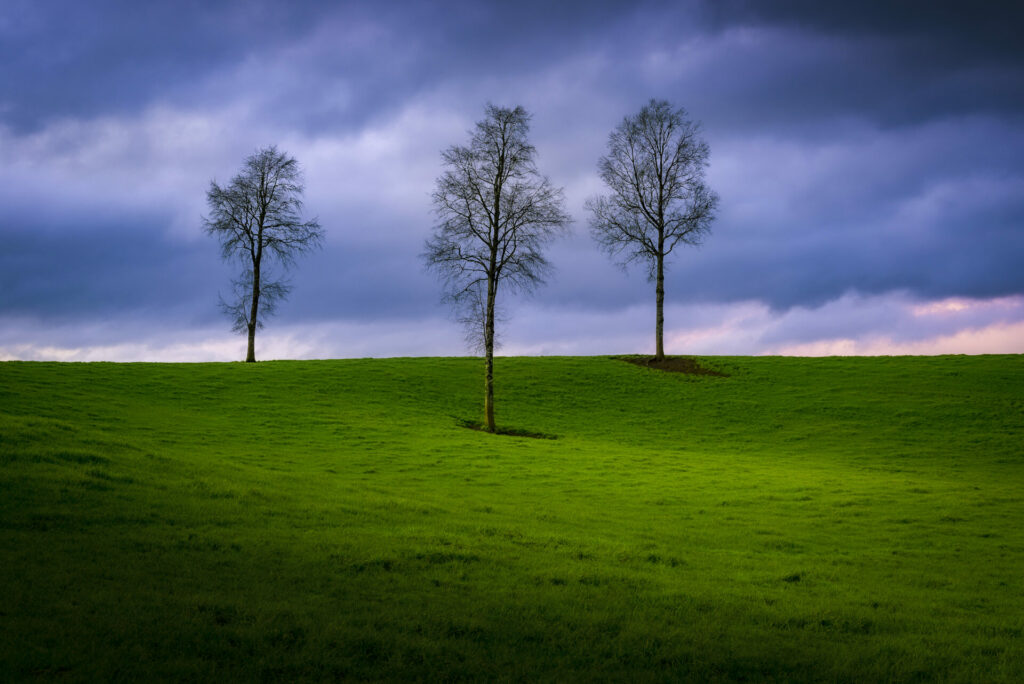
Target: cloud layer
[(867, 158)]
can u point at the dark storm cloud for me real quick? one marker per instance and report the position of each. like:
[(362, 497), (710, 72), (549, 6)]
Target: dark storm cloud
[(113, 268), (366, 283), (83, 59), (800, 67), (119, 268), (970, 32), (74, 59), (937, 211), (324, 66), (742, 69), (900, 60)]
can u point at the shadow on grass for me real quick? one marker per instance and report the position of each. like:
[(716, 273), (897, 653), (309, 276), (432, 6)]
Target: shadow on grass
[(510, 431)]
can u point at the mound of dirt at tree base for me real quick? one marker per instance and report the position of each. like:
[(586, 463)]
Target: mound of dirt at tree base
[(672, 364)]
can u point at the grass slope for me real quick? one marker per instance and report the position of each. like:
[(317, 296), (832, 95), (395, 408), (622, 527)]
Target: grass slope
[(801, 519)]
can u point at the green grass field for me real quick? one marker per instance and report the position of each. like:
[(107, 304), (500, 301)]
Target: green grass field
[(843, 519)]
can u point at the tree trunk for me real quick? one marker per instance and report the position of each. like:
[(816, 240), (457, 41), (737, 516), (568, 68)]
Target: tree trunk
[(250, 356), (489, 357), (492, 291), (659, 325)]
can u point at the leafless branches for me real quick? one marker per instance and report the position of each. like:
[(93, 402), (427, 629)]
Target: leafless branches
[(495, 214), (257, 219), (655, 172)]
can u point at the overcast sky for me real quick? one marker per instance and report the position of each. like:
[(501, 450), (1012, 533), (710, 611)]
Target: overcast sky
[(868, 157)]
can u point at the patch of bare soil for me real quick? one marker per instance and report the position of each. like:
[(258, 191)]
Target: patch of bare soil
[(672, 364)]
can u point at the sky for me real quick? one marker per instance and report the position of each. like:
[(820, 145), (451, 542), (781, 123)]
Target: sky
[(869, 159)]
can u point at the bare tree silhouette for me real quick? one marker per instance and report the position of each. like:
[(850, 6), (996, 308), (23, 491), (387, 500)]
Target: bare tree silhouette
[(256, 218), (655, 171), (495, 213)]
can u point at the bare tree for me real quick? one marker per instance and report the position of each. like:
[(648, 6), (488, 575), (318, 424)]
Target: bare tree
[(495, 213), (256, 218), (655, 171)]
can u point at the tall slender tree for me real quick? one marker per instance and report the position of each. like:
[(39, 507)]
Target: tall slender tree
[(495, 214), (256, 218), (659, 200)]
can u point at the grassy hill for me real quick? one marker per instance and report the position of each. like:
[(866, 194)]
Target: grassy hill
[(800, 519)]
